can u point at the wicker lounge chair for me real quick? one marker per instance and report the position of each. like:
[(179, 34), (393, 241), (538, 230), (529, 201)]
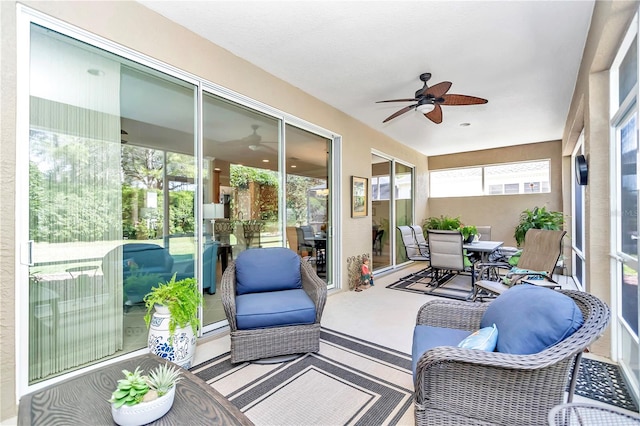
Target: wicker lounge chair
[(472, 387), (266, 335)]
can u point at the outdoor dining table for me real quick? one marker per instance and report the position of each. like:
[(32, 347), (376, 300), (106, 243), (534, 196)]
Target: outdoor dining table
[(485, 248)]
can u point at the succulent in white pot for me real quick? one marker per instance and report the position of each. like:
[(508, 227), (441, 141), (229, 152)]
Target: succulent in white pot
[(140, 399)]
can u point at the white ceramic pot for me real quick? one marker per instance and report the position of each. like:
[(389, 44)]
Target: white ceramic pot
[(145, 412), (183, 345)]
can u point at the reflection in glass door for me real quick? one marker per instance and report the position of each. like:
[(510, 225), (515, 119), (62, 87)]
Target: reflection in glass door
[(240, 188), (111, 197), (308, 214)]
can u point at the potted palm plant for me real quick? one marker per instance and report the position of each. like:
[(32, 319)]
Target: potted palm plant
[(174, 323)]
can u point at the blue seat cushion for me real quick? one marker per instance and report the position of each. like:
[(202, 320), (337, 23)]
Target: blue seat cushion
[(274, 309), (531, 319), (426, 337), (267, 269)]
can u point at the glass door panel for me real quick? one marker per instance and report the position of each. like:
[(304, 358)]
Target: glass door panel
[(111, 164), (308, 218), (240, 186), (381, 211), (403, 196)]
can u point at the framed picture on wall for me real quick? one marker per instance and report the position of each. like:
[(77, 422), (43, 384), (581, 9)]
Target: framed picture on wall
[(359, 196)]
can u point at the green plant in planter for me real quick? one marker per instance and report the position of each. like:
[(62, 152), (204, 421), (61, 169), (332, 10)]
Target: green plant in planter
[(131, 390), (182, 298), (538, 218), (446, 223), (136, 387), (467, 231)]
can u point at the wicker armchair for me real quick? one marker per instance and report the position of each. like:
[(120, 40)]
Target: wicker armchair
[(258, 343), (471, 387)]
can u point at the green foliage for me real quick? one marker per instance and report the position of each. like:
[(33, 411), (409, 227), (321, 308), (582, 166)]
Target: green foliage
[(241, 176), (131, 389), (446, 223), (299, 204), (163, 378), (467, 231), (538, 218), (182, 298), (136, 388)]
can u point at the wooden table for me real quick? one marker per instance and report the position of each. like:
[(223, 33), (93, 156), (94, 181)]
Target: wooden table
[(83, 400)]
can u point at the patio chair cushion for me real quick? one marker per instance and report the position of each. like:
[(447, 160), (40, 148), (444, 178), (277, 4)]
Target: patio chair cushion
[(484, 339), (272, 269), (273, 309), (427, 337), (531, 318)]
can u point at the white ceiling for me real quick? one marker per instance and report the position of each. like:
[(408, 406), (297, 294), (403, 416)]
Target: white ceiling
[(523, 56)]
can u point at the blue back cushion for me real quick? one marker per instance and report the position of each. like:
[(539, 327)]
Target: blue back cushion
[(530, 319), (267, 269)]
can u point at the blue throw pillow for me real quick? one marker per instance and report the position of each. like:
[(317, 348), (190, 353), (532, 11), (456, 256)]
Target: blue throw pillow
[(531, 319), (267, 269), (484, 339)]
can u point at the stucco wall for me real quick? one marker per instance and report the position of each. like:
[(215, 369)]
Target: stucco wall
[(501, 212), (589, 112), (138, 28)]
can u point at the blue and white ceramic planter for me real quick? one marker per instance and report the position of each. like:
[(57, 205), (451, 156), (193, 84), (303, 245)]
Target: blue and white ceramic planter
[(183, 345)]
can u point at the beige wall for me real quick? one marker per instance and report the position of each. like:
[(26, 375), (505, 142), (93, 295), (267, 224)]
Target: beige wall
[(138, 28), (501, 212), (589, 112)]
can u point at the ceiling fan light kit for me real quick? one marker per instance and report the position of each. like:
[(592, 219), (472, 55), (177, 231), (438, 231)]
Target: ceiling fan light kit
[(429, 100)]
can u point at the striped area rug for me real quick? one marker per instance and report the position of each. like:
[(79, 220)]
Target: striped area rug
[(452, 286), (349, 382)]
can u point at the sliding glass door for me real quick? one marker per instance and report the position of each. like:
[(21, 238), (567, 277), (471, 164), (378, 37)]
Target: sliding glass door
[(392, 206), (137, 173), (624, 110), (111, 166)]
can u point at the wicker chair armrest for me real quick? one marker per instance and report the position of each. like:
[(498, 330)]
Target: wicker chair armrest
[(451, 314), (489, 386), (314, 287), (228, 295)]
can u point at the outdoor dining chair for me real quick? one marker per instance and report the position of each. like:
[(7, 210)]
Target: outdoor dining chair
[(540, 254), (412, 249), (446, 254)]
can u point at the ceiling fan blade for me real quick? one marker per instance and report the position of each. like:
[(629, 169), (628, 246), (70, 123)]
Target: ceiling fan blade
[(438, 90), (398, 100), (462, 100), (435, 115), (397, 113)]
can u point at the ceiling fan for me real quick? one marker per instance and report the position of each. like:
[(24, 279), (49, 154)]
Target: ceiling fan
[(255, 143), (428, 100)]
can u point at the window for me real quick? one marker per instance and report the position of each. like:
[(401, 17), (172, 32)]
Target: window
[(527, 177), (624, 224), (461, 182)]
